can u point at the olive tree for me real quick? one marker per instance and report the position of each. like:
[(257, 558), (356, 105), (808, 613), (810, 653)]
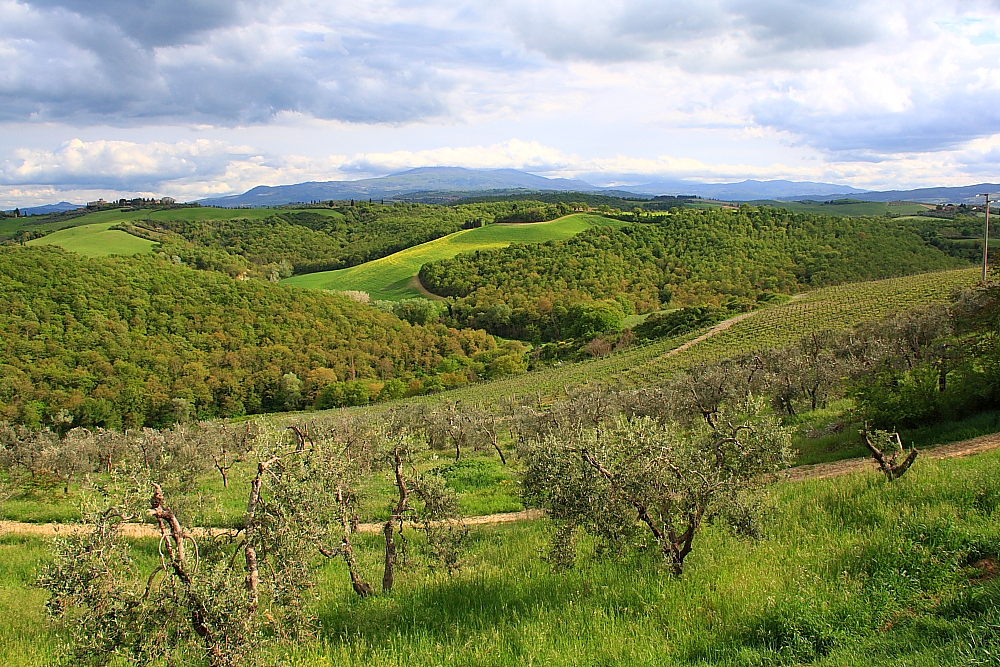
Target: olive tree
[(213, 595), (337, 471), (218, 595), (636, 476)]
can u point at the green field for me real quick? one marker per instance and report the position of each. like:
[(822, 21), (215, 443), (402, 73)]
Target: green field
[(96, 240), (849, 571), (394, 277)]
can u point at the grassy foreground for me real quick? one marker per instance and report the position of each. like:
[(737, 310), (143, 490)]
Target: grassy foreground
[(393, 277), (852, 571), (96, 240)]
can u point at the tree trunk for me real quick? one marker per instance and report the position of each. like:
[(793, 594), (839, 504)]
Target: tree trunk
[(360, 586), (388, 578), (249, 526)]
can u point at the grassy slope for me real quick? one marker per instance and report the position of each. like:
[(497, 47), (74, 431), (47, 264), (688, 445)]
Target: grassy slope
[(392, 277), (96, 240), (852, 571)]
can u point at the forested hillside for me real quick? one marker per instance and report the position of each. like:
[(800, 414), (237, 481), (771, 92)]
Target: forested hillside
[(323, 240), (132, 341), (687, 258)]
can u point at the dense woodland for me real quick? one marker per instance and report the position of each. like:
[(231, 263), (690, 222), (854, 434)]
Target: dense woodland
[(125, 342), (692, 257)]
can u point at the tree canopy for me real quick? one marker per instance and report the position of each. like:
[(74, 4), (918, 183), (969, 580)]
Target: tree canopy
[(133, 341), (693, 257)]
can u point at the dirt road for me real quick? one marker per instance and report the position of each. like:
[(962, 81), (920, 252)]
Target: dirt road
[(797, 474), (848, 466)]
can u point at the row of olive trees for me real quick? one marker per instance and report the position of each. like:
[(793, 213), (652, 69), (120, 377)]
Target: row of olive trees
[(220, 594)]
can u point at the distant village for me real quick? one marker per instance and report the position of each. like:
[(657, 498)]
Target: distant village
[(138, 201)]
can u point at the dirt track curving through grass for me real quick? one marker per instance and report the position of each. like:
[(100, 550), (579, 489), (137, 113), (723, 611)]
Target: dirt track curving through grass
[(718, 328), (800, 473), (847, 466), (135, 530)]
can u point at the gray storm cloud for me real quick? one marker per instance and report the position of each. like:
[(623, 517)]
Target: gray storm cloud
[(711, 65), (198, 61)]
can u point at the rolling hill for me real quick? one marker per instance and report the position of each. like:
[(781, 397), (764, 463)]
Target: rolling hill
[(394, 277), (96, 240)]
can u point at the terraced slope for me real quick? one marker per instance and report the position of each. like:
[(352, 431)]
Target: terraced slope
[(394, 277), (96, 240)]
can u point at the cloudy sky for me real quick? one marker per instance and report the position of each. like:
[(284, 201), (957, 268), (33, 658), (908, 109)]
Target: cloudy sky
[(195, 98)]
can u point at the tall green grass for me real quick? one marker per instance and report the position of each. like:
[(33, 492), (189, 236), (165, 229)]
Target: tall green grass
[(852, 571)]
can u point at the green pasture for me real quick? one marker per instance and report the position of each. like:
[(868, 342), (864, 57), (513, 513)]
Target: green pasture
[(848, 571), (483, 486), (96, 240), (394, 277)]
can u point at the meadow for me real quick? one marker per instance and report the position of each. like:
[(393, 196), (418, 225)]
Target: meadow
[(394, 277), (849, 571), (96, 240)]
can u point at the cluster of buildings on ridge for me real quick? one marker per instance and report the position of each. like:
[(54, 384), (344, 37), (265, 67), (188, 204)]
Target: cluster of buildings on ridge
[(138, 201)]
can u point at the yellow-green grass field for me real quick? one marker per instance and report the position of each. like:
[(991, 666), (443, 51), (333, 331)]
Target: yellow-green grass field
[(96, 240), (846, 571), (394, 277)]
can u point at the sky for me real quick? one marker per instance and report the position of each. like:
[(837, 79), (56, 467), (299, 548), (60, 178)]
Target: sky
[(199, 98)]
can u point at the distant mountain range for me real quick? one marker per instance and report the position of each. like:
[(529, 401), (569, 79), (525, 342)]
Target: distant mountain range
[(747, 190), (444, 184), (468, 181), (423, 179), (50, 208), (966, 194), (445, 180)]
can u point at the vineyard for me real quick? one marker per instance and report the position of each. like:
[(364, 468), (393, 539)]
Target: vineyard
[(829, 308)]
